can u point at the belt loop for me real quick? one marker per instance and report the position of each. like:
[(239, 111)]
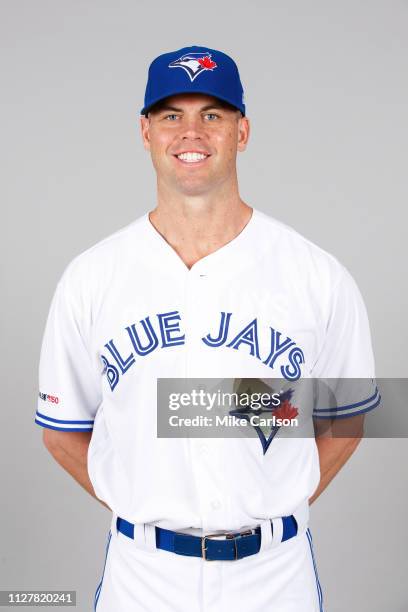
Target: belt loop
[(139, 535), (144, 535), (266, 534), (301, 515), (277, 531), (113, 526), (150, 536)]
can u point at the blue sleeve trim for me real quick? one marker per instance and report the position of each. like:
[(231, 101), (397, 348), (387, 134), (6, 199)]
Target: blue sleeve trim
[(47, 418), (63, 428), (349, 414), (336, 409)]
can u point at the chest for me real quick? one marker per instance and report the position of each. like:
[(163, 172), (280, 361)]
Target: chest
[(207, 325)]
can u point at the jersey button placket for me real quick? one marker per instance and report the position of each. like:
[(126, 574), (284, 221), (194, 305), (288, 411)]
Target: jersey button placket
[(193, 443), (201, 451)]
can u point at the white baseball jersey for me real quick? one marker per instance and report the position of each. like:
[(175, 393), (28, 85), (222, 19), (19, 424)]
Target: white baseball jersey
[(128, 311)]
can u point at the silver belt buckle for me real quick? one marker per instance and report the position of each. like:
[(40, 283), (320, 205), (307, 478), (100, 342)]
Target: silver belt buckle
[(228, 536)]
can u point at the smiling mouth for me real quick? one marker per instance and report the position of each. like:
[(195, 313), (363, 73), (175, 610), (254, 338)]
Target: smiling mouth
[(192, 158)]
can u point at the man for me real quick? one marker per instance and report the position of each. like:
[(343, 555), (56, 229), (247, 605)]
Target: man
[(203, 286)]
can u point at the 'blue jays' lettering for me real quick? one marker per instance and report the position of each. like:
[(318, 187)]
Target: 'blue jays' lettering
[(146, 338)]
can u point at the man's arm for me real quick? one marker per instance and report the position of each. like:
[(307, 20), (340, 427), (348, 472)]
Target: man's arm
[(336, 442), (70, 450)]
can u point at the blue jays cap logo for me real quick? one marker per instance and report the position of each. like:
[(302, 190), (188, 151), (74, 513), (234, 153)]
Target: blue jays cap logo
[(194, 63)]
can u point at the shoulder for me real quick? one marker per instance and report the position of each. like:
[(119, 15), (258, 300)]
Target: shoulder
[(312, 276), (101, 260), (297, 254)]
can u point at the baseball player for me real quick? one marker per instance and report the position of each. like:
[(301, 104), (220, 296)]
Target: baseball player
[(203, 286)]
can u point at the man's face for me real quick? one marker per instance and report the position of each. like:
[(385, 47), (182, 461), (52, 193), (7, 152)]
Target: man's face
[(188, 123)]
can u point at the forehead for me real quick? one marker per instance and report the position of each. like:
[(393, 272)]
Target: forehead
[(191, 100)]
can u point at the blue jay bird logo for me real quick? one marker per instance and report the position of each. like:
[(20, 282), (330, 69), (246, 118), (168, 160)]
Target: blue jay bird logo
[(194, 64), (285, 410)]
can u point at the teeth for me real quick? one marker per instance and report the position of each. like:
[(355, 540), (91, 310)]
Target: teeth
[(191, 157)]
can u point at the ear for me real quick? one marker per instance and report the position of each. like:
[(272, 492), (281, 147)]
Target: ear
[(243, 133), (144, 128)]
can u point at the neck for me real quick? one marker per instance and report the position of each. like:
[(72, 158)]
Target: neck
[(197, 225)]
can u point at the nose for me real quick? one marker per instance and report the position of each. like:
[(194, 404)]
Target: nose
[(192, 127)]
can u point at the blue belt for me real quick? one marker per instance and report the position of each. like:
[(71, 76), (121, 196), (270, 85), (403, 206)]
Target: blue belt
[(234, 545)]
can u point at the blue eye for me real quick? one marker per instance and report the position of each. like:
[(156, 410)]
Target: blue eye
[(171, 116)]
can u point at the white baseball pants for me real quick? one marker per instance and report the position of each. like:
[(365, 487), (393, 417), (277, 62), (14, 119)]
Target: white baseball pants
[(137, 577)]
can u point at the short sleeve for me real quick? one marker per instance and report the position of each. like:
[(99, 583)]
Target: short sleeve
[(344, 369), (69, 381)]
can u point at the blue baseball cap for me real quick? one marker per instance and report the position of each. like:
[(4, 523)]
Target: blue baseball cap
[(194, 70)]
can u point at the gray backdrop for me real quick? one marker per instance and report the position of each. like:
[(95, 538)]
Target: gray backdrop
[(326, 91)]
